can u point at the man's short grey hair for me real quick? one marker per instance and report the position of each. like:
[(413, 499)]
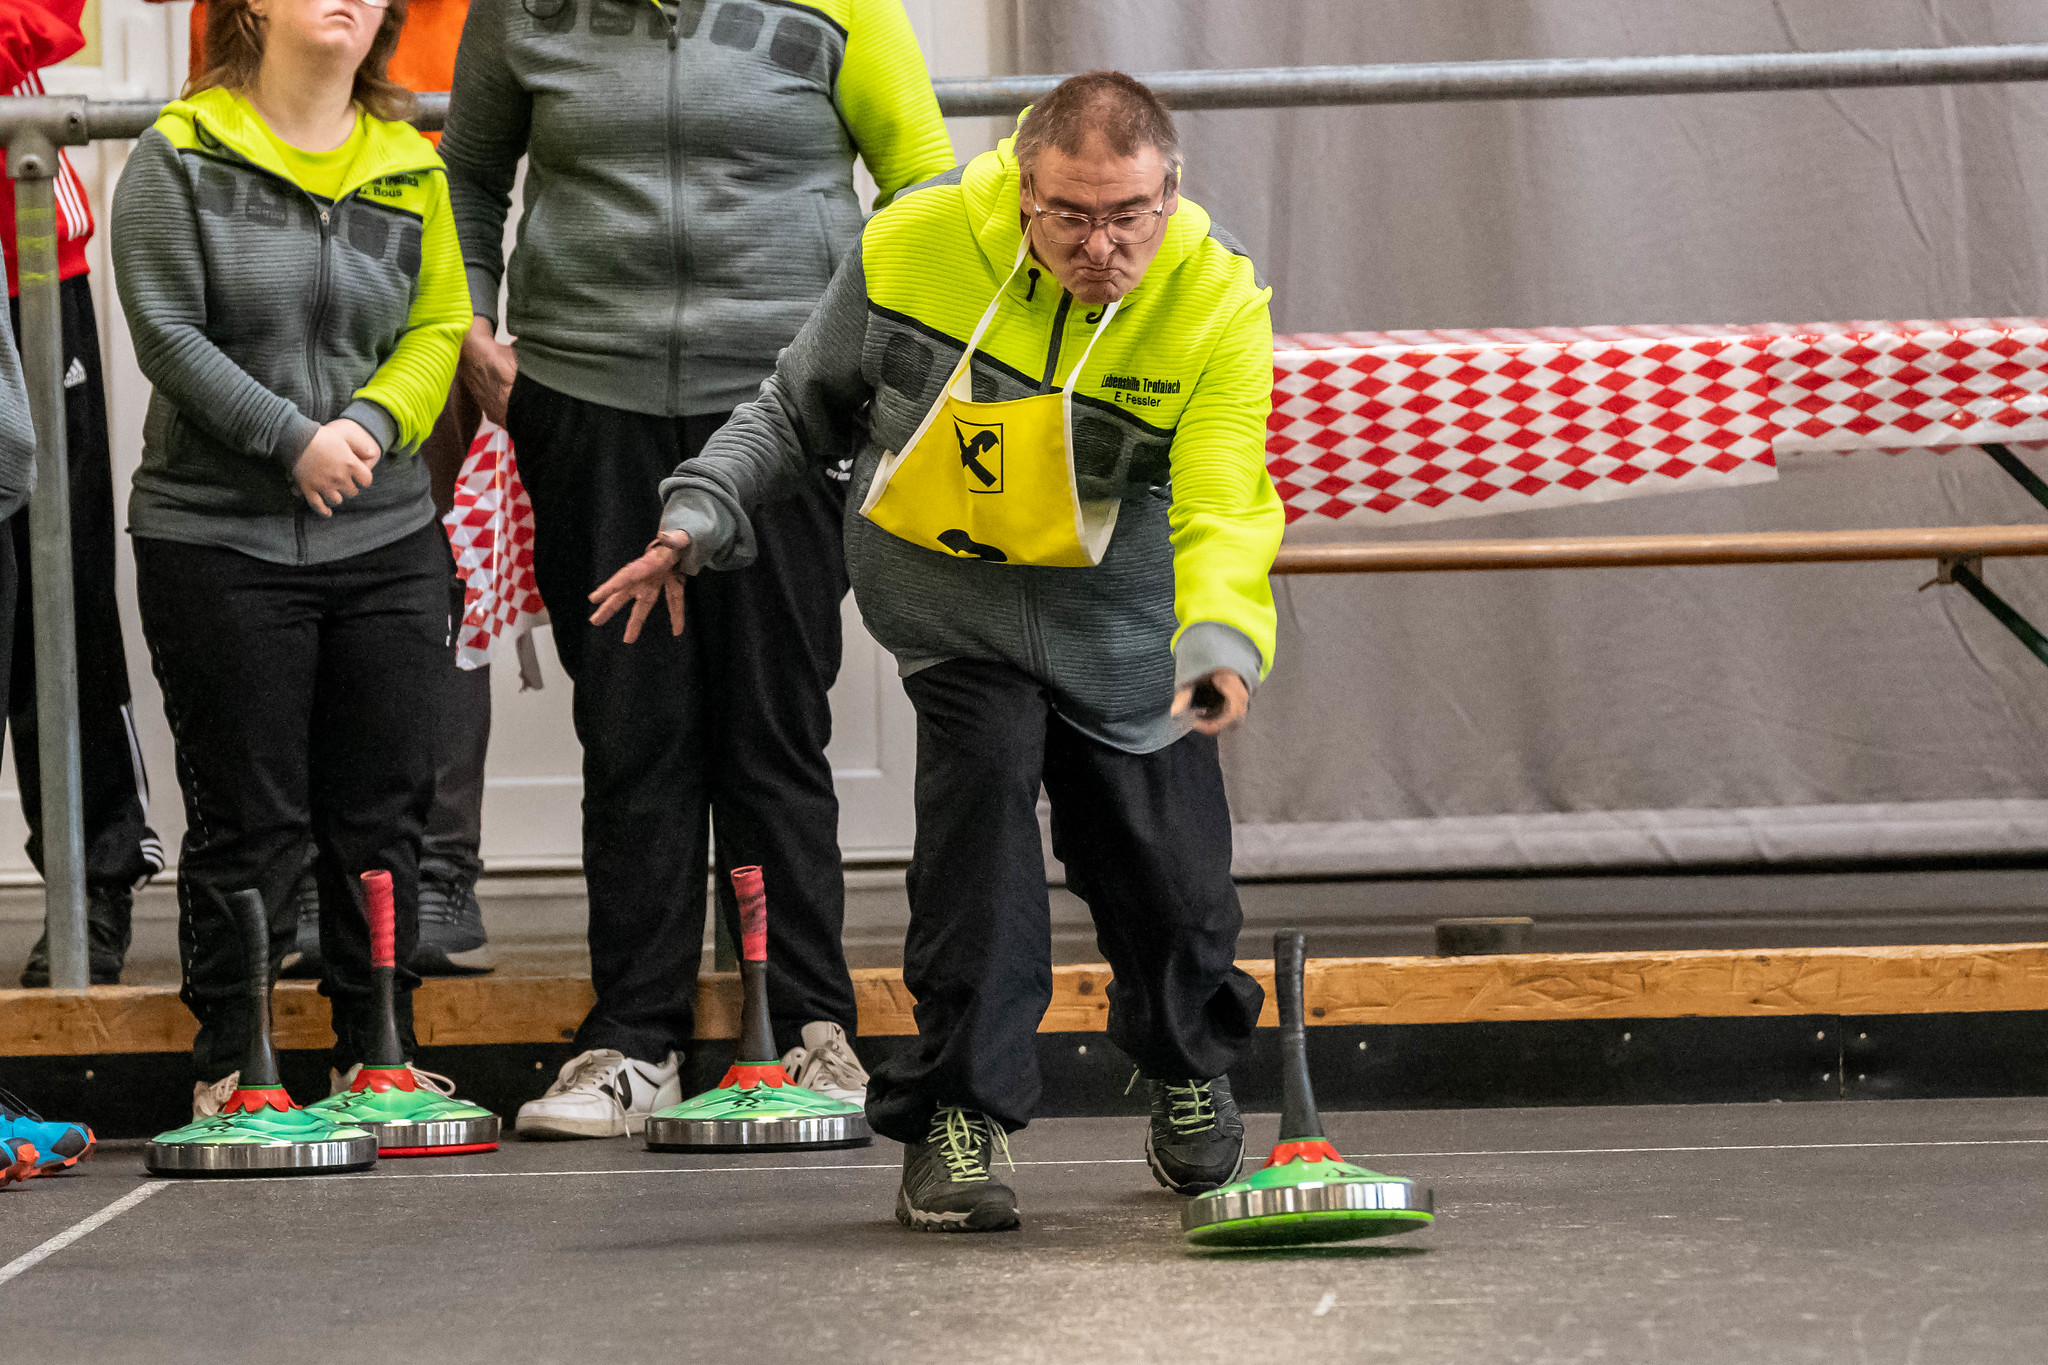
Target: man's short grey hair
[(1122, 111)]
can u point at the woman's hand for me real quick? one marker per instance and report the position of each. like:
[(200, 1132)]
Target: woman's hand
[(1214, 703), (335, 465), (646, 580), (487, 368)]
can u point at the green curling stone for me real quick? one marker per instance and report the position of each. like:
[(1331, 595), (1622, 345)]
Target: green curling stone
[(259, 1131), (1306, 1192), (386, 1097), (409, 1119), (756, 1108)]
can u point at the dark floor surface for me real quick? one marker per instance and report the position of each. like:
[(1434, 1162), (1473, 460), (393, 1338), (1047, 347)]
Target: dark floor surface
[(1897, 1233)]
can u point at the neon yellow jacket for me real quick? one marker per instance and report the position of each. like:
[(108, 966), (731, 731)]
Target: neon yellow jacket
[(1171, 417)]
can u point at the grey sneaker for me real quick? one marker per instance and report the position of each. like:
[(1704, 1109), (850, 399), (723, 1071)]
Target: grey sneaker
[(1195, 1141), (109, 928), (450, 922), (947, 1184)]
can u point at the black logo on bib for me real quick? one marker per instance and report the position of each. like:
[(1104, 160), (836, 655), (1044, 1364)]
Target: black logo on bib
[(967, 547), (981, 455)]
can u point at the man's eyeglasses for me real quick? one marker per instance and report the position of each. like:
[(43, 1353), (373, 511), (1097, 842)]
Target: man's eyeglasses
[(1125, 229)]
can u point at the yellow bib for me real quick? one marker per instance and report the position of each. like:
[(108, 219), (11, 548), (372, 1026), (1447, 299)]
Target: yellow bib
[(995, 481)]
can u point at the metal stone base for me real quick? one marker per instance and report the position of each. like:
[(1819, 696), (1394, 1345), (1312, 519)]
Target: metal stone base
[(469, 1133), (1391, 1198), (240, 1158), (758, 1135)]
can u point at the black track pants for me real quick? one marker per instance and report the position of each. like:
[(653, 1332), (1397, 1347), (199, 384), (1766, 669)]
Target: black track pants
[(120, 847), (728, 723), (1146, 843), (302, 705)]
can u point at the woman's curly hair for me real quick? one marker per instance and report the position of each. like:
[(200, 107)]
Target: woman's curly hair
[(234, 54)]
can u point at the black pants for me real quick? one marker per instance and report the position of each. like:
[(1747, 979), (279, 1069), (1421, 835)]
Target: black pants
[(301, 706), (728, 721), (1146, 843), (120, 847), (452, 839)]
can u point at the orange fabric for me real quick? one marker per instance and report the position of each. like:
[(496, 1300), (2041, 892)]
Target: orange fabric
[(425, 59)]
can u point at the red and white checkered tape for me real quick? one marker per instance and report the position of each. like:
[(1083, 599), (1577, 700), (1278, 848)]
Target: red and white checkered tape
[(490, 529), (1422, 426)]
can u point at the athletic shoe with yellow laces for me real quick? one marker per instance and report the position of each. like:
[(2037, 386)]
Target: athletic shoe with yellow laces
[(947, 1182)]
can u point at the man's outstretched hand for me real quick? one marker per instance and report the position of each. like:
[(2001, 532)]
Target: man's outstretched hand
[(648, 579), (1214, 703)]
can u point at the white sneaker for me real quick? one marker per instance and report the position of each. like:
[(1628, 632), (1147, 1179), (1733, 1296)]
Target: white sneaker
[(338, 1081), (825, 1063), (207, 1099), (601, 1093)]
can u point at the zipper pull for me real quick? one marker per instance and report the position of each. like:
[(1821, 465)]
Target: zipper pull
[(323, 217), (1033, 290)]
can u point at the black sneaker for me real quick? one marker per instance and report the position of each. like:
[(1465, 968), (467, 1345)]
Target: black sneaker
[(109, 928), (1196, 1138), (303, 962), (946, 1182), (450, 922)]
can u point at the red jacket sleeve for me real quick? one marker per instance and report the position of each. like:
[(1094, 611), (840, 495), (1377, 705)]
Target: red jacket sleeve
[(35, 34)]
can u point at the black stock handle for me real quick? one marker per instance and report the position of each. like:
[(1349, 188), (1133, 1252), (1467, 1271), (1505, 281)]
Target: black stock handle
[(259, 1067), (1298, 1118)]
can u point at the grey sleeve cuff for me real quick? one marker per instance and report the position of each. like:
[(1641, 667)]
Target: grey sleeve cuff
[(483, 292), (372, 417), (712, 529), (291, 443), (1207, 646)]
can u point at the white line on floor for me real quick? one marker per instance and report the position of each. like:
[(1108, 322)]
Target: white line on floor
[(1107, 1161), (79, 1229)]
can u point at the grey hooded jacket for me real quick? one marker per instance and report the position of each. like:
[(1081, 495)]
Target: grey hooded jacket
[(689, 182), (17, 434)]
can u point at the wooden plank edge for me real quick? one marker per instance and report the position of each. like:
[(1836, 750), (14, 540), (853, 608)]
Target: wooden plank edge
[(1910, 979)]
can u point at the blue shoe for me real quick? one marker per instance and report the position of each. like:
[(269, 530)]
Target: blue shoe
[(58, 1146)]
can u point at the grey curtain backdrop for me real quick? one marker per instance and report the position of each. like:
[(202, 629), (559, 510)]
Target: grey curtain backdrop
[(1675, 718)]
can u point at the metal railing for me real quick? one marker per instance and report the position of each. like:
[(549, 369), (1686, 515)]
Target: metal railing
[(32, 128)]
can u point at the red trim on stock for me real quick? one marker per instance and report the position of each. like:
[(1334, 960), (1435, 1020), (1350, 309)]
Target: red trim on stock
[(747, 1075), (382, 1078), (453, 1149), (1308, 1149), (753, 898), (383, 916), (255, 1101)]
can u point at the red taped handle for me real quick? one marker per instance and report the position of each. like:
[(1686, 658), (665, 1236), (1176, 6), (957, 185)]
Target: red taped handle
[(753, 898), (383, 919)]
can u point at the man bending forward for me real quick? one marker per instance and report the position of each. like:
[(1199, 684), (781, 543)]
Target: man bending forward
[(1053, 375)]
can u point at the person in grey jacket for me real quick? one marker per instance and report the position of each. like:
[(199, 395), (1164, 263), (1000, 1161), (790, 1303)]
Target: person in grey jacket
[(689, 192), (17, 433)]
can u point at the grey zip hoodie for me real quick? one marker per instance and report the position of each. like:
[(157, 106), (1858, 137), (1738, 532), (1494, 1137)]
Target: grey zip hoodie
[(261, 310), (689, 182), (17, 434)]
